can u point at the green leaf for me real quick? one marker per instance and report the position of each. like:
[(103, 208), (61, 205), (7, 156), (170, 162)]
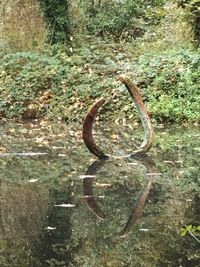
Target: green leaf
[(183, 231), (189, 227)]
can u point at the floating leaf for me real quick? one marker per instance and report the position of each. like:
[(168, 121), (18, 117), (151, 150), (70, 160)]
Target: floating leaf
[(50, 228), (87, 176), (65, 205), (101, 185), (33, 180)]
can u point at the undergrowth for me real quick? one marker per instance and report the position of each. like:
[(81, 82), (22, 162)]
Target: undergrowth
[(61, 85)]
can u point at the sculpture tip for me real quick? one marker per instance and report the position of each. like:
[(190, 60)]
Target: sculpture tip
[(121, 77)]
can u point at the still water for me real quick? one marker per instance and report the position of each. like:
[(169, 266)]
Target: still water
[(60, 206)]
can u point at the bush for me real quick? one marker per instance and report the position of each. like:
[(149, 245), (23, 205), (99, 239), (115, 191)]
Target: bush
[(54, 84), (121, 19), (194, 7), (57, 85), (57, 18), (172, 85)]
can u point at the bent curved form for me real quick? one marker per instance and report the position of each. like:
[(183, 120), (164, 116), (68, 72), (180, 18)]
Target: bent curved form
[(138, 207), (142, 112), (87, 130), (137, 210), (88, 192)]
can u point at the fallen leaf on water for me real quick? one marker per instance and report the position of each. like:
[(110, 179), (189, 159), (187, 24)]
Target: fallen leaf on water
[(154, 173), (169, 162), (57, 147), (65, 205), (11, 130), (99, 185), (33, 180), (50, 228), (86, 176), (114, 136), (41, 140)]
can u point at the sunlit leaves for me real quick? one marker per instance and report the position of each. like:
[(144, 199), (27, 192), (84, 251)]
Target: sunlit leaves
[(191, 230)]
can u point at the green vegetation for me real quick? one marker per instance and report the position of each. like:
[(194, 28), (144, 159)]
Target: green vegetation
[(171, 83), (121, 19), (152, 43), (57, 18), (193, 7), (57, 85), (191, 229)]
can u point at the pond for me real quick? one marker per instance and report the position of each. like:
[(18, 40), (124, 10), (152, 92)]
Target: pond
[(60, 206)]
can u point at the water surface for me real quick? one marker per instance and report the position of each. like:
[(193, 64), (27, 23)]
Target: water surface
[(60, 206)]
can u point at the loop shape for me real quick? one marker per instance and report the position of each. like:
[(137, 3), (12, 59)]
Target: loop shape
[(142, 113)]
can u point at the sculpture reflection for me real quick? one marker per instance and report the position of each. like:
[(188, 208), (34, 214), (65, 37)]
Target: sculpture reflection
[(138, 207), (88, 191), (136, 211)]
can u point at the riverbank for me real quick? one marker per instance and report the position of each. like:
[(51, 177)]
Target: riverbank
[(61, 83)]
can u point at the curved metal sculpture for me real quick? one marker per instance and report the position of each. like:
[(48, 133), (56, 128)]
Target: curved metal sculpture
[(87, 130), (142, 112)]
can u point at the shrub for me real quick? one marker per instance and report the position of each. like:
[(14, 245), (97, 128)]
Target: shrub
[(194, 7), (57, 18), (54, 84), (58, 85), (121, 19), (172, 85)]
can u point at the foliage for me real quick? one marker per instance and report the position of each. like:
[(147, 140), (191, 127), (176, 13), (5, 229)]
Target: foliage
[(121, 19), (189, 228), (56, 84), (171, 83), (60, 85), (194, 7), (173, 32), (57, 18)]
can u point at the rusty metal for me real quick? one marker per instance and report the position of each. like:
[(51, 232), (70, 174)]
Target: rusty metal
[(142, 113), (87, 130)]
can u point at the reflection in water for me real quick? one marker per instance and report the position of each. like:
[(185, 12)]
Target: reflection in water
[(136, 210), (34, 232), (87, 188)]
